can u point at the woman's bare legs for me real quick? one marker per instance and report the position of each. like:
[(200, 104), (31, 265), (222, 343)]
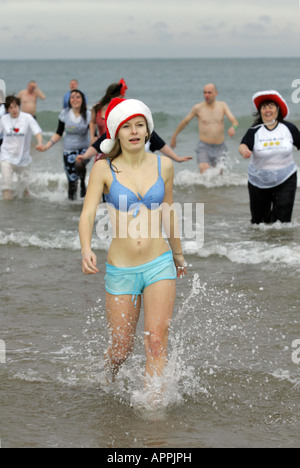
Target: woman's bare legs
[(122, 318), (159, 300)]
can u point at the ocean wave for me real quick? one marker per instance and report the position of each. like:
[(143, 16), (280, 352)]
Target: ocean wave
[(285, 375), (248, 252), (210, 179), (213, 178), (47, 186), (62, 240)]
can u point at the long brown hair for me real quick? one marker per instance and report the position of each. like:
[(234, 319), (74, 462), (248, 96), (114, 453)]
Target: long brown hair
[(113, 90)]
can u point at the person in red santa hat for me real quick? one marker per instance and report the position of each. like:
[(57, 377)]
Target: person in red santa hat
[(138, 188), (272, 170)]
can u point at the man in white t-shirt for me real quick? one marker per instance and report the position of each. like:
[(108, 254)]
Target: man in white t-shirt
[(17, 128)]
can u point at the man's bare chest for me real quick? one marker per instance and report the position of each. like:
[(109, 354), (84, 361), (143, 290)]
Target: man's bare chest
[(211, 116)]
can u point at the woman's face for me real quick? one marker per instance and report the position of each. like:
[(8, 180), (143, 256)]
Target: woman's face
[(132, 134), (269, 112), (76, 100)]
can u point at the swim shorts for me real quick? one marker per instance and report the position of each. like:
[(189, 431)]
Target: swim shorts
[(133, 280), (211, 154)]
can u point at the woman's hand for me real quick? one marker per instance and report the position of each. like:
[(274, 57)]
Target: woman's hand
[(41, 148), (245, 152), (80, 159), (89, 262), (181, 265)]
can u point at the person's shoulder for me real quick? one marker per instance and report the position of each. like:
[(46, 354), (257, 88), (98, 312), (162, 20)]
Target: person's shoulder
[(63, 114), (26, 116), (100, 171), (294, 131), (222, 104), (166, 163), (289, 125), (102, 165), (5, 117), (198, 105), (196, 109)]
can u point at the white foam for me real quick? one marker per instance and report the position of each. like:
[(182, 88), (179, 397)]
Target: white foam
[(210, 179), (282, 375), (248, 252), (213, 178), (63, 240)]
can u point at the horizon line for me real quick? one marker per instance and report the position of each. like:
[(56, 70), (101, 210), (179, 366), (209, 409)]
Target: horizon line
[(148, 58)]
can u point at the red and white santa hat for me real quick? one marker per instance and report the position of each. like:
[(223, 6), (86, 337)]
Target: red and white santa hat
[(119, 111), (271, 95)]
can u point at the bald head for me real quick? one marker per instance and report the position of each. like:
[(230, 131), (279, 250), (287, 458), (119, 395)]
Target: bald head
[(210, 93)]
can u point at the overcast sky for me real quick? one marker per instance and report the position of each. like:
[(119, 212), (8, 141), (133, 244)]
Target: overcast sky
[(149, 28)]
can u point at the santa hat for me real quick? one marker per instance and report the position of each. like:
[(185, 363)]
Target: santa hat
[(262, 96), (118, 112)]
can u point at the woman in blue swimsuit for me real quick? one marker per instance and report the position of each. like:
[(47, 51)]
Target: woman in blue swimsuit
[(138, 188)]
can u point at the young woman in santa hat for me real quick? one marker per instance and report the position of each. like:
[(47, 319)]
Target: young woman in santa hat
[(272, 171), (138, 188)]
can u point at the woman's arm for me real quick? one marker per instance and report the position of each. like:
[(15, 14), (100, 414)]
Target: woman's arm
[(167, 151), (87, 218), (54, 139), (59, 133), (245, 151), (93, 127), (90, 152), (170, 219), (39, 139)]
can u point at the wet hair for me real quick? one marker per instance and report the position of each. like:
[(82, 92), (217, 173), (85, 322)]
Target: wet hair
[(257, 114), (83, 108), (113, 91), (12, 100)]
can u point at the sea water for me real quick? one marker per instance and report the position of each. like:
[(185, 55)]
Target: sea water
[(233, 375)]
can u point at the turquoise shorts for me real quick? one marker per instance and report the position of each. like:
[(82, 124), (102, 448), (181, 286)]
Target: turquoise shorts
[(133, 280)]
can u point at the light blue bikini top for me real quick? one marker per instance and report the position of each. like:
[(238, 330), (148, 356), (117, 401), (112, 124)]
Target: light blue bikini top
[(124, 199)]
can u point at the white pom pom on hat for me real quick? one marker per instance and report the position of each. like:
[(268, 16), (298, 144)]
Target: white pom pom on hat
[(107, 146), (119, 111)]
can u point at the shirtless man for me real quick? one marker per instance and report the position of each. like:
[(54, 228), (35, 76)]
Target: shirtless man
[(210, 114), (29, 98)]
